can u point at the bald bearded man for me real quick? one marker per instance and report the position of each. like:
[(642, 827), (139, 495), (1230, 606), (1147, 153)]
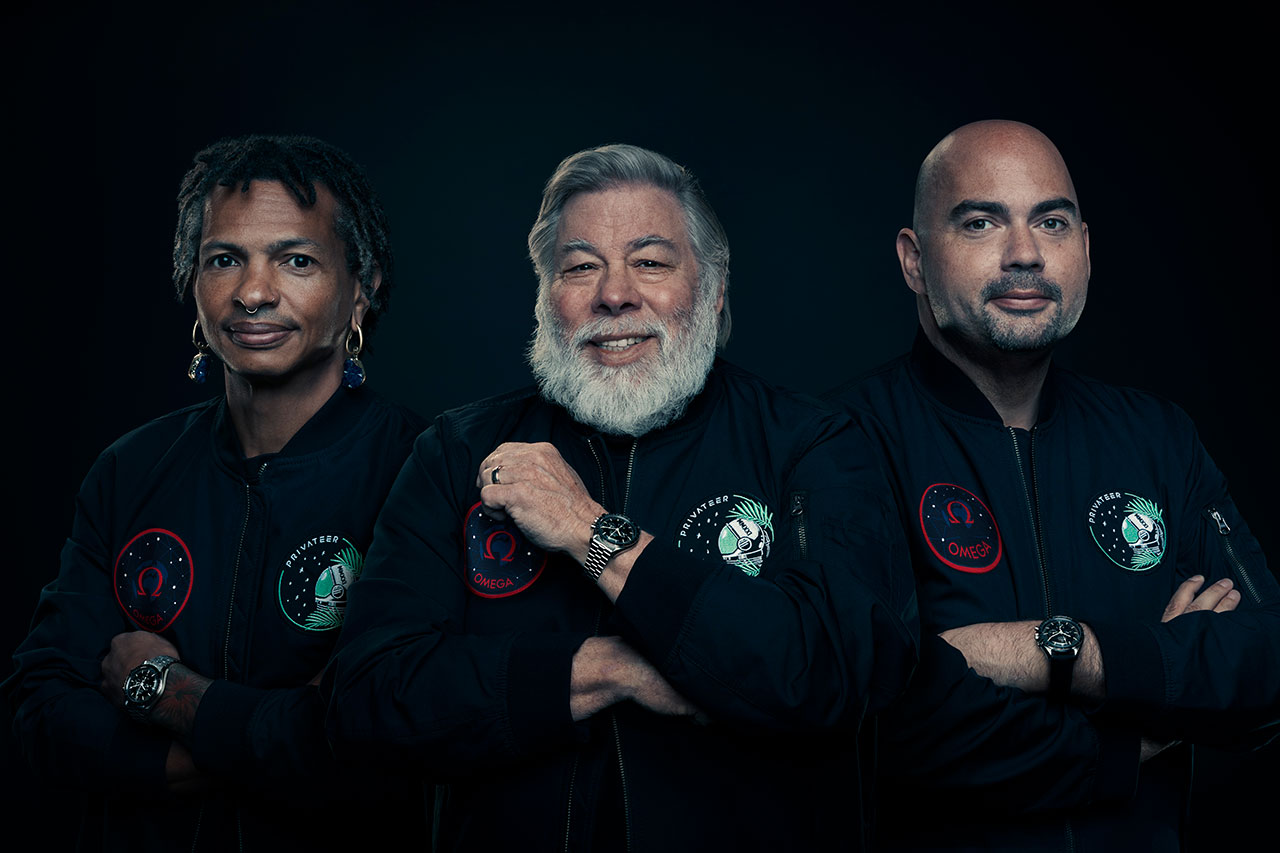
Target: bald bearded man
[(1091, 602)]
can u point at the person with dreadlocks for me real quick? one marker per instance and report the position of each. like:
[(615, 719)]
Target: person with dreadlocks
[(172, 666)]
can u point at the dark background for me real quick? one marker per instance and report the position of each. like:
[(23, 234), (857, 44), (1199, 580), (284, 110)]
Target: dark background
[(806, 126)]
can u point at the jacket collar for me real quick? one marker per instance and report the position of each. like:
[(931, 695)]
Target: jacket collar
[(950, 387), (336, 418)]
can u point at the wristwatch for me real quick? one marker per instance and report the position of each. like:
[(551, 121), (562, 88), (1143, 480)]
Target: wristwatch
[(1060, 637), (145, 685), (611, 534)]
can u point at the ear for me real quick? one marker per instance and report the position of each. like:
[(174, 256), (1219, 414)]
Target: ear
[(361, 302), (720, 297), (1088, 264), (910, 260)]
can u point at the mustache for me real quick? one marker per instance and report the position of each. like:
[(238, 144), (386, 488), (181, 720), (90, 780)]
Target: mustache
[(1023, 280), (617, 326)]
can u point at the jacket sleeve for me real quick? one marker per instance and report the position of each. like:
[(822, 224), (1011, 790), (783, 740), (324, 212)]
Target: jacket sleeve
[(978, 745), (811, 644), (69, 731), (405, 683), (1204, 677)]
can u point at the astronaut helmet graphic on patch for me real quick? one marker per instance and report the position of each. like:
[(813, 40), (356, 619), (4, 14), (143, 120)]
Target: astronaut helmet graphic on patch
[(737, 528), (1128, 528)]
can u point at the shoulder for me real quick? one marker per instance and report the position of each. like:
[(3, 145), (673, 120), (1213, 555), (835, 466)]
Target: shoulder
[(872, 389), (155, 437), (485, 423), (781, 414), (1117, 406)]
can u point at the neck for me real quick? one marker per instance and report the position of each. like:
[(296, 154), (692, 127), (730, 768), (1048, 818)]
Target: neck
[(1011, 381), (267, 416)]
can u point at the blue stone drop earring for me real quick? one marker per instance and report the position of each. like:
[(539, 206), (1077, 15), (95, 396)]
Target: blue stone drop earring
[(353, 375), (198, 372)]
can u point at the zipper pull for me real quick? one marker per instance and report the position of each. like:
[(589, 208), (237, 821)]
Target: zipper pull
[(797, 504), (1223, 527)]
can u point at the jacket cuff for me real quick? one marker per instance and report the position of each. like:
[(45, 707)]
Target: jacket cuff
[(136, 758), (539, 672), (221, 725), (1133, 668), (659, 593), (1119, 750)]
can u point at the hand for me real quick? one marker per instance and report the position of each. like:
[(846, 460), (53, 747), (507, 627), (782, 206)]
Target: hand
[(128, 650), (538, 490), (606, 670), (1219, 598), (1151, 748)]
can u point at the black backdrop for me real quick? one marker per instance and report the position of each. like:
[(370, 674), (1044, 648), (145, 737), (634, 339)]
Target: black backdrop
[(805, 125)]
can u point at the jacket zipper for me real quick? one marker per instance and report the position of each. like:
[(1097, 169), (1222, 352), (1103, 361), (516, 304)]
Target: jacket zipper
[(1224, 530), (622, 773), (797, 512), (1034, 511), (226, 645)]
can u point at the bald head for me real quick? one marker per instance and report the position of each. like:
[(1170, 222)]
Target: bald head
[(985, 154)]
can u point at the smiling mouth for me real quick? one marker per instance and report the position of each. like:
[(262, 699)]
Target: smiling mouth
[(1025, 301), (620, 343), (254, 335)]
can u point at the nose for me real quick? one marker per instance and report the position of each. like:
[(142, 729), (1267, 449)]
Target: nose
[(256, 287), (616, 292), (1022, 250)]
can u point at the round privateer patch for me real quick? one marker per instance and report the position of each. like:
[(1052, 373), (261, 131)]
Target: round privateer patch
[(1129, 530), (959, 528), (736, 528), (153, 577), (316, 578), (500, 560)]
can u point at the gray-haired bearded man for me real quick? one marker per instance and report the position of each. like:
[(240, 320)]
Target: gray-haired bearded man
[(646, 605)]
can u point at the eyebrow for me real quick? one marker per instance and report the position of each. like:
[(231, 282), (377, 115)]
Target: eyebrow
[(579, 245), (273, 249), (651, 240), (996, 208)]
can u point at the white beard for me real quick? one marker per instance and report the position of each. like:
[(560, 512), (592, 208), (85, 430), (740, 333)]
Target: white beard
[(630, 399)]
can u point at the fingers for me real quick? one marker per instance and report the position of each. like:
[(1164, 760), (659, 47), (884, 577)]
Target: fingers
[(1182, 597), (1221, 597)]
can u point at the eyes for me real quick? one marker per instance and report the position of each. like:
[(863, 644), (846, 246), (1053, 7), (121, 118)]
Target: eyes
[(980, 224), (644, 265), (227, 261)]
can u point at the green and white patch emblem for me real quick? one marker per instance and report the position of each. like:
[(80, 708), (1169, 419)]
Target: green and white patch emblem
[(1129, 529), (737, 528), (315, 581)]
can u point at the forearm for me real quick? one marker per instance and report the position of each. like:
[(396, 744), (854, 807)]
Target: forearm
[(175, 710), (1006, 653)]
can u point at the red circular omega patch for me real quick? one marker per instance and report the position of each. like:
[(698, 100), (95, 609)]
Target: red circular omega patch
[(153, 576), (959, 528), (500, 561)]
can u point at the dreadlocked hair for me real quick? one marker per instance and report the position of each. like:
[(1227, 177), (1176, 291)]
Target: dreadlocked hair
[(299, 163)]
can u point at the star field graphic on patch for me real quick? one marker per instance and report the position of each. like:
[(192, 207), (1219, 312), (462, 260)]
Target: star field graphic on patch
[(315, 580), (1129, 530), (736, 528), (959, 528), (500, 561), (153, 576)]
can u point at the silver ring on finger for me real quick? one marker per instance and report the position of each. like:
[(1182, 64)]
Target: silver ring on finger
[(493, 475)]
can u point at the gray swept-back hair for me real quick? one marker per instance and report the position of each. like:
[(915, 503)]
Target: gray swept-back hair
[(611, 166)]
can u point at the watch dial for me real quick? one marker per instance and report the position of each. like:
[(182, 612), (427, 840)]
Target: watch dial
[(1061, 634), (617, 529), (141, 684)]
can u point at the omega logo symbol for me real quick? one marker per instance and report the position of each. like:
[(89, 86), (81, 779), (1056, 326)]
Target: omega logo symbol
[(500, 561), (959, 528), (511, 546)]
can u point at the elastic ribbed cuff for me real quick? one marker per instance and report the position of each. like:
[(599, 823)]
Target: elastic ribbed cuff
[(658, 596), (222, 725), (1134, 669), (539, 671)]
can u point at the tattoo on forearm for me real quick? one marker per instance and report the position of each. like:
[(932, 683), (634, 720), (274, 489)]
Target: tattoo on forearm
[(176, 709)]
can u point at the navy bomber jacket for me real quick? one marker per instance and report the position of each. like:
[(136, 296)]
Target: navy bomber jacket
[(1099, 512), (775, 596), (242, 565)]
